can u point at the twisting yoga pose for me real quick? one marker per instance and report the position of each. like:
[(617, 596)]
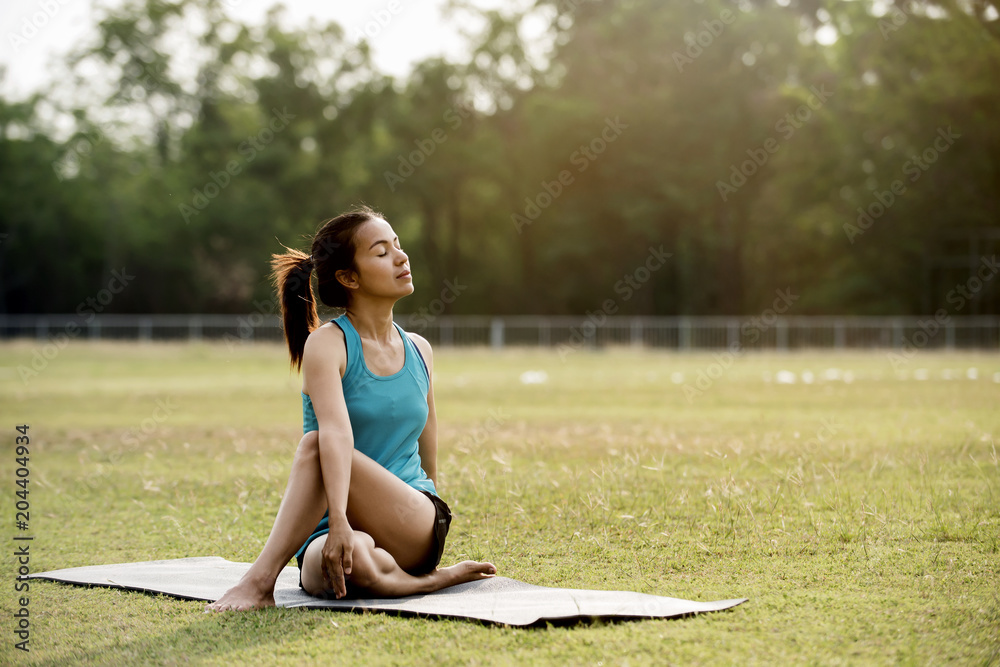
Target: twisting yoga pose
[(361, 511)]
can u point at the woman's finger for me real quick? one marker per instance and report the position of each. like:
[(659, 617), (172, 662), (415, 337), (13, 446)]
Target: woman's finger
[(339, 586), (348, 558)]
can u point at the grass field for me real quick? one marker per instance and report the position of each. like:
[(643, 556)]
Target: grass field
[(861, 518)]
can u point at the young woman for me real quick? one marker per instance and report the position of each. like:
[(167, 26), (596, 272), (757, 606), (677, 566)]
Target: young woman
[(361, 511)]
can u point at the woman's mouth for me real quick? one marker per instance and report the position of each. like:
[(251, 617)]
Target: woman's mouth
[(404, 274)]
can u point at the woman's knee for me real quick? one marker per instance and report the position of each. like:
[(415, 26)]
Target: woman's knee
[(312, 568), (310, 575), (365, 572), (309, 444)]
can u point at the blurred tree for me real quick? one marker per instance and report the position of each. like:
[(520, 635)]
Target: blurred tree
[(843, 150)]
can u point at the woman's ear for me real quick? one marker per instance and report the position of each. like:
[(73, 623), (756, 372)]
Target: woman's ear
[(347, 278)]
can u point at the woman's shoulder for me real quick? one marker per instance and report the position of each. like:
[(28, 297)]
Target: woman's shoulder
[(422, 344), (327, 332), (325, 341), (423, 349)]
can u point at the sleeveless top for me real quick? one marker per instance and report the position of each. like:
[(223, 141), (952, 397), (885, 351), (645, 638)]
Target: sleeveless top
[(388, 413)]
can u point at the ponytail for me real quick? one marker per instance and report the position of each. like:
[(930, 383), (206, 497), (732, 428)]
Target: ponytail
[(332, 251), (292, 274)]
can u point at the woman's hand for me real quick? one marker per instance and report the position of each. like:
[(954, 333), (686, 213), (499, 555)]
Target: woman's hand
[(338, 555)]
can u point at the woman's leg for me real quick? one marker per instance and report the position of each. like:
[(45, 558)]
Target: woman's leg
[(393, 531), (374, 571), (394, 515), (301, 508)]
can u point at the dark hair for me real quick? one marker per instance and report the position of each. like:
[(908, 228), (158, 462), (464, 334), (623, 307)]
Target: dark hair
[(332, 251)]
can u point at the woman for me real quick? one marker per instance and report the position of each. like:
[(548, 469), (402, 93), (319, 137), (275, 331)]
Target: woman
[(369, 452)]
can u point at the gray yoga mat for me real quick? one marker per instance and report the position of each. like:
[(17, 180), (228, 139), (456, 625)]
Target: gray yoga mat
[(496, 600)]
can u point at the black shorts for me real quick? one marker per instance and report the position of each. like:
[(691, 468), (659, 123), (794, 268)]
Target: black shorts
[(442, 523)]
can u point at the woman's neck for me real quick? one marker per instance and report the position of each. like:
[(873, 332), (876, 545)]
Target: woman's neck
[(372, 321)]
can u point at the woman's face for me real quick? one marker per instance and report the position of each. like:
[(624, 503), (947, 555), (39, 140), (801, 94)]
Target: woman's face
[(383, 269)]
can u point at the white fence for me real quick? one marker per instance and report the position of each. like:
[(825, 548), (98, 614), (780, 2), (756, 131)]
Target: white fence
[(677, 333)]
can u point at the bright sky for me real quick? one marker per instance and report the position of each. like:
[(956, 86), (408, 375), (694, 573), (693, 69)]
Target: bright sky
[(36, 33)]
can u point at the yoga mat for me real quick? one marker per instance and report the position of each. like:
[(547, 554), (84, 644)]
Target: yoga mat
[(497, 599)]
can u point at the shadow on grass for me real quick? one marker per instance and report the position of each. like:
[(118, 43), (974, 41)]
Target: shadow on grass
[(199, 638)]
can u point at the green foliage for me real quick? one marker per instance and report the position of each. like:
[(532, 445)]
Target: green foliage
[(745, 147)]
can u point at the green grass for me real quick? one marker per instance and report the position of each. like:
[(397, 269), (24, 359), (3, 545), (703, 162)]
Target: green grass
[(862, 520)]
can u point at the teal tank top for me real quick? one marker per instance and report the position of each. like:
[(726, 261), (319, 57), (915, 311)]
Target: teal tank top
[(388, 413)]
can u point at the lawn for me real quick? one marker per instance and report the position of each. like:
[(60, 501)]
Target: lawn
[(858, 508)]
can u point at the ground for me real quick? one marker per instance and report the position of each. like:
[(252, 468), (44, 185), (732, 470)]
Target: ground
[(861, 517)]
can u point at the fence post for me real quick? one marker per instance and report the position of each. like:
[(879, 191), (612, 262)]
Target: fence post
[(42, 329), (446, 333), (733, 334), (685, 334), (496, 333), (949, 335), (838, 335), (635, 333), (782, 335), (589, 335), (145, 329), (194, 329)]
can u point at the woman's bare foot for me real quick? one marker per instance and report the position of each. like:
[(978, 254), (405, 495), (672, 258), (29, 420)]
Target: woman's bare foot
[(244, 596), (460, 573)]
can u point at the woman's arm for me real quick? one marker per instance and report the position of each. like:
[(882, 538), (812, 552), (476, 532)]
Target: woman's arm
[(323, 362), (428, 438)]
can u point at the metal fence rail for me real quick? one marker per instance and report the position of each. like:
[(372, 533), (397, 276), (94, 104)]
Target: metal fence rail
[(677, 333)]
